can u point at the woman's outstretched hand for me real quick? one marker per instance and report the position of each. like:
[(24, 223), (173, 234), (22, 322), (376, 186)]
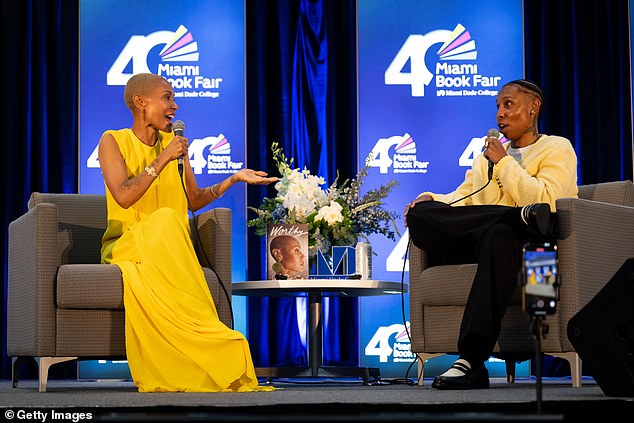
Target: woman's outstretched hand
[(251, 176)]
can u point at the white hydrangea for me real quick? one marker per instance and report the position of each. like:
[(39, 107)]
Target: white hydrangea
[(300, 192), (330, 213), (342, 214)]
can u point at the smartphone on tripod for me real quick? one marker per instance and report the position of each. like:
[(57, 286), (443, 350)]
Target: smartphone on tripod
[(540, 290)]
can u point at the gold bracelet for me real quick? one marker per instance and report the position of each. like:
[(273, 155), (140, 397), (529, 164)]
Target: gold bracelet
[(213, 190), (150, 171)]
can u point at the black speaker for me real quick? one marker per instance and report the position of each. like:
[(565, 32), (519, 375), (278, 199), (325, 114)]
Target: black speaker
[(602, 333)]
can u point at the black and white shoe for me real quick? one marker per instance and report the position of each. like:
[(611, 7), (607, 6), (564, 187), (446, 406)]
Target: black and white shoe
[(537, 216), (461, 376)]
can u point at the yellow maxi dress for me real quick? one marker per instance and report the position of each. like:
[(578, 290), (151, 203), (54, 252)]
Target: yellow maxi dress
[(175, 341)]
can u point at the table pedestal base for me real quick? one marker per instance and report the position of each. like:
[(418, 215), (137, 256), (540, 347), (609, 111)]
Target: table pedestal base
[(315, 289), (324, 371)]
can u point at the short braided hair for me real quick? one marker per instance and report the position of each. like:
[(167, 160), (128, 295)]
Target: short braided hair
[(529, 87)]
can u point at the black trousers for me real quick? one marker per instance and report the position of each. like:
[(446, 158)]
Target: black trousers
[(491, 236)]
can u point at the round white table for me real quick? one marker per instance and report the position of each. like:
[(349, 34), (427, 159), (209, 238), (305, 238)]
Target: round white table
[(315, 290)]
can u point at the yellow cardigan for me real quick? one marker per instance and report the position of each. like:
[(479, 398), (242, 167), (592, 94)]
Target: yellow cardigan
[(546, 172)]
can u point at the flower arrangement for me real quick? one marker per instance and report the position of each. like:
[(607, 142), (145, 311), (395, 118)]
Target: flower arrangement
[(338, 215)]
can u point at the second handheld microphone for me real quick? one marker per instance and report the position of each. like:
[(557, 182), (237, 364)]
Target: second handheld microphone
[(492, 133)]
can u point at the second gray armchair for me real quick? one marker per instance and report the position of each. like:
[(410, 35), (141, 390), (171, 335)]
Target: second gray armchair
[(595, 237)]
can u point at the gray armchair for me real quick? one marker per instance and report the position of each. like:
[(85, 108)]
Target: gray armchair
[(595, 237), (62, 304)]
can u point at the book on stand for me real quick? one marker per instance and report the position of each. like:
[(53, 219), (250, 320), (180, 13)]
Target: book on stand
[(287, 251)]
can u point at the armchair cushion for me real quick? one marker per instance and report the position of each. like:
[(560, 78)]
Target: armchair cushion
[(89, 286), (447, 285)]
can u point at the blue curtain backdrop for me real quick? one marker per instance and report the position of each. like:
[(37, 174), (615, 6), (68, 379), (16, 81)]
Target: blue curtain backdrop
[(301, 92), (580, 54), (39, 105), (307, 44)]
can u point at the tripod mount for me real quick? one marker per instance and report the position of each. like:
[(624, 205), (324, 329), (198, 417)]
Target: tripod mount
[(538, 330)]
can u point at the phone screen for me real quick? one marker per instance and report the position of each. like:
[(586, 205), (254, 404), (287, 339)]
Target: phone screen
[(540, 277)]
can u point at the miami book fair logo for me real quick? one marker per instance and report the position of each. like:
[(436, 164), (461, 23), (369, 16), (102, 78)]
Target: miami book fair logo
[(404, 158), (177, 61), (213, 155), (456, 72), (391, 344)]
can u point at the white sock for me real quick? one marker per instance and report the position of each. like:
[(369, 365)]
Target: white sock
[(459, 368)]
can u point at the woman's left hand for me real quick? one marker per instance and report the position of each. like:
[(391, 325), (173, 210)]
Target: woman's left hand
[(251, 176)]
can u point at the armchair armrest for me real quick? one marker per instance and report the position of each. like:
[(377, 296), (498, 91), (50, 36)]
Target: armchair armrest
[(214, 241), (33, 260), (594, 239), (418, 261), (212, 236)]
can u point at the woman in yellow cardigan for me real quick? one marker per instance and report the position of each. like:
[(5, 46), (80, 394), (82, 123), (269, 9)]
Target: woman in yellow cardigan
[(506, 199)]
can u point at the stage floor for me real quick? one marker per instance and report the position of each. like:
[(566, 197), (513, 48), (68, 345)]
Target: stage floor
[(322, 400)]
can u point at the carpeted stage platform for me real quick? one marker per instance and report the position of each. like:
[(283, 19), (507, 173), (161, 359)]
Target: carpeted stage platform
[(316, 400)]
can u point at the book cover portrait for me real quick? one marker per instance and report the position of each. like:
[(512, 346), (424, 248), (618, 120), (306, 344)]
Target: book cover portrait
[(287, 251)]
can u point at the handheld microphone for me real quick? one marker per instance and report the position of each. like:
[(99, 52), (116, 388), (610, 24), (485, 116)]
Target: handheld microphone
[(179, 129), (492, 133)]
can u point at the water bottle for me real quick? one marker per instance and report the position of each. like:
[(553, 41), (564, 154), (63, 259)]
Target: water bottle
[(363, 259)]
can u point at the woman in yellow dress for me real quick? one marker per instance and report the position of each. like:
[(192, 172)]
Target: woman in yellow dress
[(174, 339)]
